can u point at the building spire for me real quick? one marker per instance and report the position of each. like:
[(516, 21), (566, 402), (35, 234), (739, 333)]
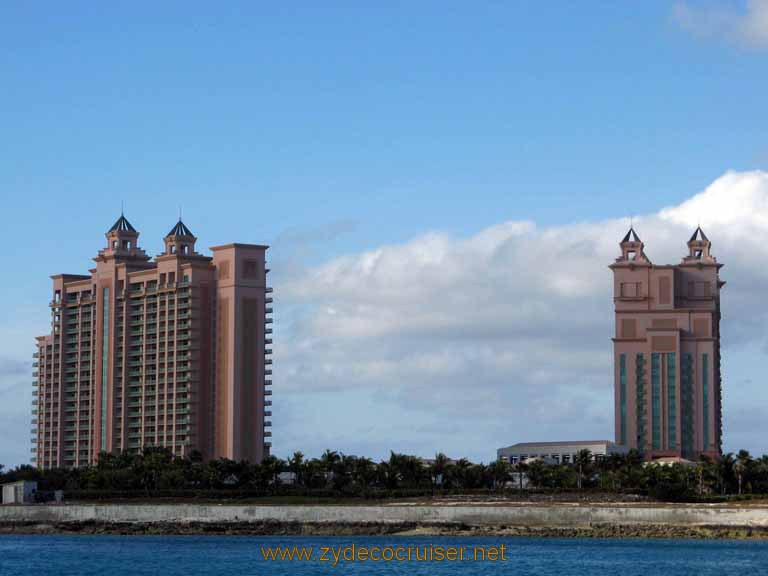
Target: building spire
[(122, 225), (180, 240), (631, 236), (699, 235), (699, 248), (632, 248)]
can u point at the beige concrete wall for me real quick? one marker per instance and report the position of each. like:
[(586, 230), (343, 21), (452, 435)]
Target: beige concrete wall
[(549, 516)]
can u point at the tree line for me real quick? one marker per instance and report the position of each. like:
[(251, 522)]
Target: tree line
[(155, 471)]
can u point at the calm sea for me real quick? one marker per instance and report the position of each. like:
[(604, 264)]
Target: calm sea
[(242, 555)]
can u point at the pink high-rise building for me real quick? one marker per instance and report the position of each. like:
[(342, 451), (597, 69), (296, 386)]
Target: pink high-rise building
[(667, 351), (167, 352)]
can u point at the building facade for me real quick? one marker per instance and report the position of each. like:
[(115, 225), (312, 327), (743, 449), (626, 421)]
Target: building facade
[(558, 452), (667, 382), (171, 351)]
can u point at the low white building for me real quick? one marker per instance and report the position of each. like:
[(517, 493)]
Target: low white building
[(558, 452), (21, 492)]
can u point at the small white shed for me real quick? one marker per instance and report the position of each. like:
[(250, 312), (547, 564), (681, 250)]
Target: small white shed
[(21, 492)]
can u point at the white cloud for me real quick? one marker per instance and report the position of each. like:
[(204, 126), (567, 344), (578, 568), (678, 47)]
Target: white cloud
[(747, 27), (505, 334)]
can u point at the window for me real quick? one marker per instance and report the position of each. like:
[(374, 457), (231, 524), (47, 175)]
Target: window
[(250, 269), (697, 254), (630, 289), (223, 269), (665, 290), (687, 406), (672, 400), (656, 400), (631, 255), (623, 398), (699, 290), (173, 248), (705, 396), (104, 366)]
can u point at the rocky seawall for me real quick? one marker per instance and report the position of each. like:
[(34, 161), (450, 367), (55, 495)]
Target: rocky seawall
[(667, 521)]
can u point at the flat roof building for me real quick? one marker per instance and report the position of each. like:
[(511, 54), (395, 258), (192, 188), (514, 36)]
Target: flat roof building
[(558, 452), (172, 351), (20, 492)]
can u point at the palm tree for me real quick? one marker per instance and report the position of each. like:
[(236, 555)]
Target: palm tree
[(364, 472), (499, 471), (296, 465), (329, 459), (461, 469), (537, 472), (741, 466), (582, 460), (438, 469), (725, 471), (522, 468), (272, 466)]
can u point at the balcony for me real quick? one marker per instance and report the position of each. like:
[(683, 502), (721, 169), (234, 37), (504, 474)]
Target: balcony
[(267, 423), (267, 402), (268, 321)]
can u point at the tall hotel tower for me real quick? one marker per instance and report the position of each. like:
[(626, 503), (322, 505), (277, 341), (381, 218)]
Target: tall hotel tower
[(667, 351), (167, 352)]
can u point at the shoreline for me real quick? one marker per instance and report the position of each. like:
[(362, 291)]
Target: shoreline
[(276, 528), (552, 521)]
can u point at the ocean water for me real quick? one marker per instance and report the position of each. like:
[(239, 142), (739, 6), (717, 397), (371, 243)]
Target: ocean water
[(243, 555)]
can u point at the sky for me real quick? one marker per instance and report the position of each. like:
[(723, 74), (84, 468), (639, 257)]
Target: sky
[(443, 185)]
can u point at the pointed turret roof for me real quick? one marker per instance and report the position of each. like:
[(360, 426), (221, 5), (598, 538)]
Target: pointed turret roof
[(180, 230), (699, 235), (631, 236), (122, 225)]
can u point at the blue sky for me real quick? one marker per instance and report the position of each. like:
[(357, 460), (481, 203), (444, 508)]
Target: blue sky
[(332, 129)]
